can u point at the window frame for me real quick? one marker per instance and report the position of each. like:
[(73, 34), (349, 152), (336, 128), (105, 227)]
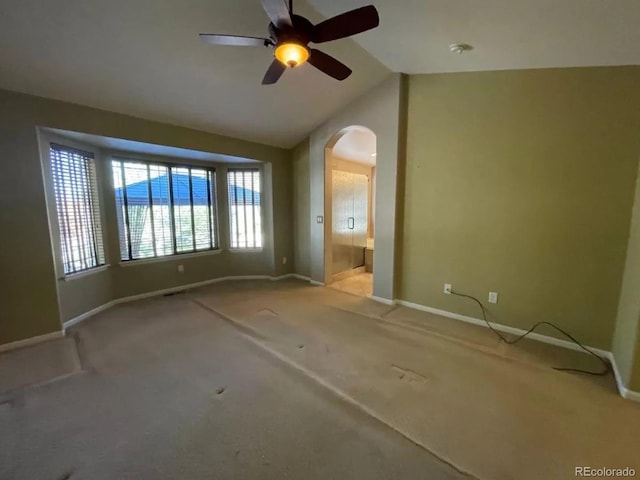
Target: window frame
[(45, 140), (168, 164), (263, 233)]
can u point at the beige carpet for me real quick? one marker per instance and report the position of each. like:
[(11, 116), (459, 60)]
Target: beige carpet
[(495, 411), (171, 391), (38, 364), (293, 381)]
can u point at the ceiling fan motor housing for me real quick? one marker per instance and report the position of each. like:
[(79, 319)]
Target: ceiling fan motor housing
[(300, 32)]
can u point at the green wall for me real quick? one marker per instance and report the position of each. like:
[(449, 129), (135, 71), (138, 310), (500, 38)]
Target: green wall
[(379, 110), (634, 384), (522, 182), (301, 198), (28, 297)]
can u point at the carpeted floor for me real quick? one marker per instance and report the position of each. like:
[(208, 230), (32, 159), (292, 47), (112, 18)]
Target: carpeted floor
[(171, 391), (283, 380), (38, 364)]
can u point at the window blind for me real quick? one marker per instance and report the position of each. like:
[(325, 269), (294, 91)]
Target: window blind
[(245, 207), (77, 206), (164, 209)]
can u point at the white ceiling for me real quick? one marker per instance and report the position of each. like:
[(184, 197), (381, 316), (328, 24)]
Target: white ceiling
[(143, 57), (414, 35), (357, 145)]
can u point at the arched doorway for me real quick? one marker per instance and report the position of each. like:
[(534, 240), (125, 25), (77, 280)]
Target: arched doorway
[(350, 166)]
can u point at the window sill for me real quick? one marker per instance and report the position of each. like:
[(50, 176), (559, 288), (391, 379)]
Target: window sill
[(85, 273), (246, 250), (168, 258)]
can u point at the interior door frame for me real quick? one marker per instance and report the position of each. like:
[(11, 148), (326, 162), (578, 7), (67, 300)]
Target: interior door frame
[(328, 211), (383, 111)]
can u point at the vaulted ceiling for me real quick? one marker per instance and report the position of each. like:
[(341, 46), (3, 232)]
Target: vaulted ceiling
[(144, 57), (414, 35)]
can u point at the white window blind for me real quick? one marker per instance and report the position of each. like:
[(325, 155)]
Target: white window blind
[(164, 209), (77, 206), (245, 207)]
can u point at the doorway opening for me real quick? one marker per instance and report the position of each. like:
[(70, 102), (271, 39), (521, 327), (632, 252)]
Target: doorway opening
[(350, 161)]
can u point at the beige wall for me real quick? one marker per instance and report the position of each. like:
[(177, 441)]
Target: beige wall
[(28, 304), (301, 190), (28, 294), (627, 333), (634, 384), (522, 182), (379, 111)]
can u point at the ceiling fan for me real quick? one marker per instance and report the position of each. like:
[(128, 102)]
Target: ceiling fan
[(290, 35)]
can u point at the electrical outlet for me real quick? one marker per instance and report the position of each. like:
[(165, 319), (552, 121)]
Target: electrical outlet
[(447, 288), (493, 297), (319, 219), (284, 260), (181, 268)]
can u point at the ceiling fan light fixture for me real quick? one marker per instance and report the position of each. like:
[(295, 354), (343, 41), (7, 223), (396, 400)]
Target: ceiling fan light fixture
[(292, 54)]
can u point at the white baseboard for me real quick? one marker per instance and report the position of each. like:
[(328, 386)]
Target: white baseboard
[(616, 373), (317, 284), (28, 342), (386, 301), (180, 288), (624, 391), (290, 275), (300, 277), (69, 323), (631, 395), (503, 328)]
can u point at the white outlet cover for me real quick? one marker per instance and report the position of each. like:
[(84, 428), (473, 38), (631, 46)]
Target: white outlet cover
[(447, 288), (493, 297)]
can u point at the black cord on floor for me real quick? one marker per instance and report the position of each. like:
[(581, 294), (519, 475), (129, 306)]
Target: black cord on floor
[(517, 339)]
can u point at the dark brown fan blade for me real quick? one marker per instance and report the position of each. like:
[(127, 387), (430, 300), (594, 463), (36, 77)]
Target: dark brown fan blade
[(233, 40), (278, 12), (329, 65), (347, 24), (274, 73)]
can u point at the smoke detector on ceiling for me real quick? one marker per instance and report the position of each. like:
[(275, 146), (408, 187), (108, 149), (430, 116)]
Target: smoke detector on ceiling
[(460, 48)]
